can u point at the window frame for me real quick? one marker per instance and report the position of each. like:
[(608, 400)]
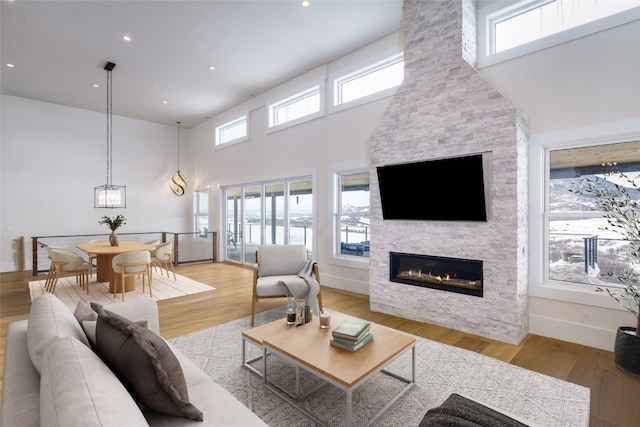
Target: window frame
[(337, 258), (291, 97), (197, 214), (487, 16), (360, 71), (229, 124), (540, 146)]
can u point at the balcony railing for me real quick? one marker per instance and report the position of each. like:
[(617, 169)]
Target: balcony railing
[(187, 247)]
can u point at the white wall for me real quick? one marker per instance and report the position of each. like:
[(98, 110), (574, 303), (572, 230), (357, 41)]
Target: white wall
[(53, 156), (310, 148)]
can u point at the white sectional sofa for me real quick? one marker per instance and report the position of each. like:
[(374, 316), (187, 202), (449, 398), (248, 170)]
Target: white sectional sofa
[(53, 375)]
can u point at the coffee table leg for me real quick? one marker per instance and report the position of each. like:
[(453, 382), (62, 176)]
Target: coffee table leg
[(264, 364), (349, 407)]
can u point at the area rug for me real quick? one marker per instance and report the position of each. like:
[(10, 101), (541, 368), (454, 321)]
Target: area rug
[(533, 398), (163, 288)]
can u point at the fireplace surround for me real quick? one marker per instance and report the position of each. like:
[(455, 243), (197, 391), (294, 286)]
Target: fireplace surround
[(459, 275)]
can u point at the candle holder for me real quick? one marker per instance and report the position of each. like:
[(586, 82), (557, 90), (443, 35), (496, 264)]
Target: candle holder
[(325, 319)]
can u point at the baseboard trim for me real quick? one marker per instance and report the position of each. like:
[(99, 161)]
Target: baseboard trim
[(343, 284), (590, 336)]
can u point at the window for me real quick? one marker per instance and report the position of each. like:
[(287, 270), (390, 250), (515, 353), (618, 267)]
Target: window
[(267, 213), (578, 250), (201, 213), (375, 78), (233, 131), (352, 232), (305, 104), (533, 20), (530, 25)]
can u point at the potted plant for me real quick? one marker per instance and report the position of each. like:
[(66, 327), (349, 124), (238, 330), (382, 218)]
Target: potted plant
[(113, 224), (621, 204)]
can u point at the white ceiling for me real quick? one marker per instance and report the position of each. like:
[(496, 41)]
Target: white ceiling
[(59, 49)]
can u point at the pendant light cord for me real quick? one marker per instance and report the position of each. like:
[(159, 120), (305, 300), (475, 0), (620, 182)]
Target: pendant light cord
[(178, 145), (109, 127)]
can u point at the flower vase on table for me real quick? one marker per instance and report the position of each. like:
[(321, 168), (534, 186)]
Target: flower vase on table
[(113, 239)]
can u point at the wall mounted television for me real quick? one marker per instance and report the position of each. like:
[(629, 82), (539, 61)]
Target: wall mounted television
[(445, 189)]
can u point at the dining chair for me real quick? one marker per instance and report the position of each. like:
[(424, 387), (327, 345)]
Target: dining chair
[(52, 268), (131, 264), (162, 258), (93, 258), (65, 260)]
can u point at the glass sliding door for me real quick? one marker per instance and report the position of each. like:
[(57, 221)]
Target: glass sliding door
[(252, 202), (274, 214), (234, 223), (301, 213), (268, 213)]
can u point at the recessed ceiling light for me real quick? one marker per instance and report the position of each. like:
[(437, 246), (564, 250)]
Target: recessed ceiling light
[(164, 102), (10, 65), (211, 67), (126, 38), (96, 85), (305, 3)]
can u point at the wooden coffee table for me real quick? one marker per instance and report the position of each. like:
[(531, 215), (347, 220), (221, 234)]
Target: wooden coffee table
[(307, 347)]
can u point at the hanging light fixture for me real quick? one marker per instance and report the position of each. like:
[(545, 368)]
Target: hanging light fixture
[(178, 184), (109, 195)]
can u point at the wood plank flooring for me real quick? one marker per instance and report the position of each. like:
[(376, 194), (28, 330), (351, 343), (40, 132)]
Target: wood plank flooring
[(614, 394)]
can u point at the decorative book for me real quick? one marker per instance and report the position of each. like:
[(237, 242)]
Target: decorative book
[(352, 330), (351, 347)]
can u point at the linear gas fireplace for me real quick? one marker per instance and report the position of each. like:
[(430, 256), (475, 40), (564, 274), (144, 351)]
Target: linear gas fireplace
[(448, 274)]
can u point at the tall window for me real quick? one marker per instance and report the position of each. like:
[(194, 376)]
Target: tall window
[(352, 214), (232, 131), (201, 212), (372, 79), (300, 105), (578, 249)]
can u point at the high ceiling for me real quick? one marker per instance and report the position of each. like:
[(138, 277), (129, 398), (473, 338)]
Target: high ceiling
[(59, 49)]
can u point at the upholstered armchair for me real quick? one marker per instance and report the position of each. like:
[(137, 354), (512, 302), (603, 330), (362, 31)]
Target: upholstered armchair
[(279, 269)]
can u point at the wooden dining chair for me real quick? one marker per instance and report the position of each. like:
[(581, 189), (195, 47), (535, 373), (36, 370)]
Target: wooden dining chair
[(162, 258), (64, 260), (131, 264)]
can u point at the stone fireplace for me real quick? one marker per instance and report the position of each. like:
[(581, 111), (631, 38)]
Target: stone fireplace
[(445, 108), (459, 275)]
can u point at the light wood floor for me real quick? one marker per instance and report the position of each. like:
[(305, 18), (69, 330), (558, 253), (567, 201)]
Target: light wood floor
[(615, 396)]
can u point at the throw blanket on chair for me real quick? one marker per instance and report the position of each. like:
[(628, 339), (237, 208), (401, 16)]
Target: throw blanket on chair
[(307, 288)]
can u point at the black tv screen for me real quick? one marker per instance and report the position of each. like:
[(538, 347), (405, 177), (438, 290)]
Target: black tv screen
[(451, 189)]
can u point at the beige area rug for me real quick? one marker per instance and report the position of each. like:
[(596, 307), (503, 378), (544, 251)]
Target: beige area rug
[(163, 288), (441, 370)]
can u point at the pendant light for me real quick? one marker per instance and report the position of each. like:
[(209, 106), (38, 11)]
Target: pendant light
[(109, 195), (178, 185)]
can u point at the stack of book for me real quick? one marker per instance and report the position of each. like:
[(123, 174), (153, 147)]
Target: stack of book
[(351, 334)]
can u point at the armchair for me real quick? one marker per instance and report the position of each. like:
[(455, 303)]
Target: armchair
[(279, 272)]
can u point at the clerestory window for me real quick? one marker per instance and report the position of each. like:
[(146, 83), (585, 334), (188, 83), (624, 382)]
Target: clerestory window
[(232, 131), (377, 78)]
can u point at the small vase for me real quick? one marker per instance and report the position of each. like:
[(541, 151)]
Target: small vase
[(113, 239), (627, 350)]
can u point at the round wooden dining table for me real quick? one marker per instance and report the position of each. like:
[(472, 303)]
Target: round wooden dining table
[(104, 256)]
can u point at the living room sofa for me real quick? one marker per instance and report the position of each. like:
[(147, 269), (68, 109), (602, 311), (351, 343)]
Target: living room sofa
[(54, 376)]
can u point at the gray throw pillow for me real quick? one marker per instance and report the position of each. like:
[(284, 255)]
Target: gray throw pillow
[(84, 312), (144, 363)]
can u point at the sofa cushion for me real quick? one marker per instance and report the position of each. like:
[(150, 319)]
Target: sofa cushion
[(77, 388), (84, 312), (278, 260), (145, 364), (49, 318)]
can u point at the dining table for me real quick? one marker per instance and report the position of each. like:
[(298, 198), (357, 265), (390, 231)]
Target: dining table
[(104, 256)]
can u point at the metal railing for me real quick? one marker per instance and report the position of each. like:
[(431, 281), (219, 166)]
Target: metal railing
[(187, 247)]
